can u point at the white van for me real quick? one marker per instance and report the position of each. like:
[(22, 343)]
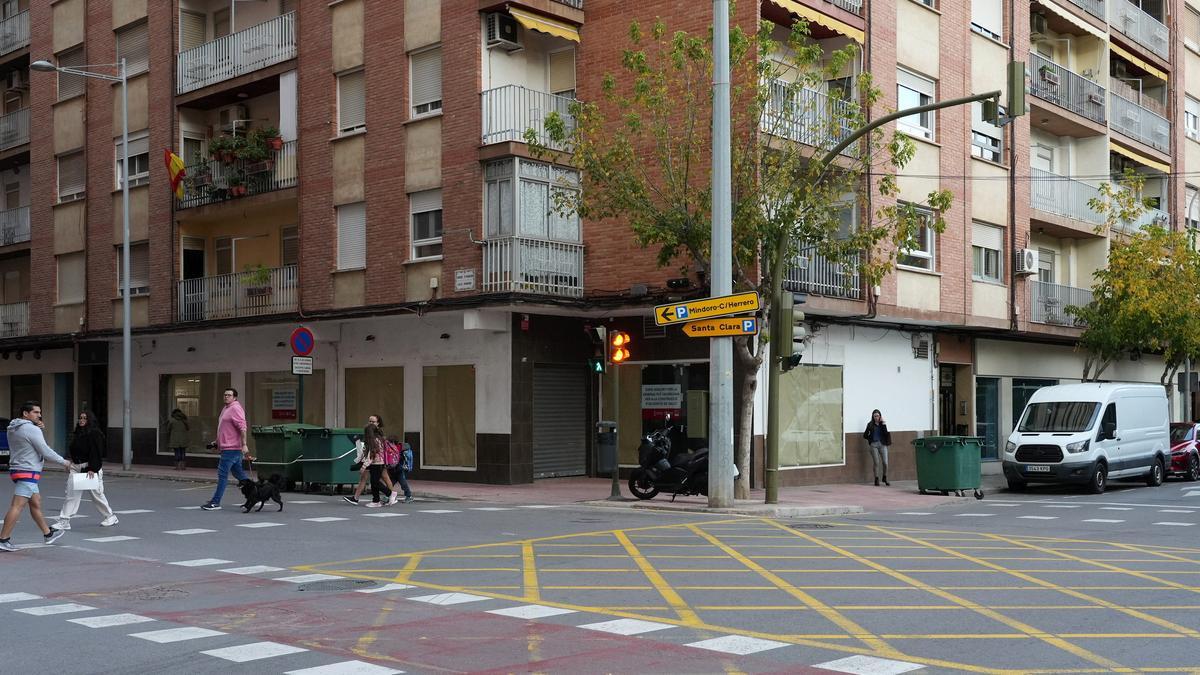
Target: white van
[(1088, 433)]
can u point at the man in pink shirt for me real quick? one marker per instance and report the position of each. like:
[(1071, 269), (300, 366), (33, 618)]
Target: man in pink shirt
[(231, 441)]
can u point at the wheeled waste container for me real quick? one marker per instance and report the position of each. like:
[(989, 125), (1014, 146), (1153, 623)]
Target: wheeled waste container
[(949, 464), (328, 454), (277, 448)]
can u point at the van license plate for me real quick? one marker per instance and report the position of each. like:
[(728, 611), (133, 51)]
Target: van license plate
[(1037, 468)]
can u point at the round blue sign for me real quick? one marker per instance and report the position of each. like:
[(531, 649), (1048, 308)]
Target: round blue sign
[(302, 341)]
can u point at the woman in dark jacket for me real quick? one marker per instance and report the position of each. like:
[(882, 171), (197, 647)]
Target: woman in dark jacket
[(177, 437), (878, 440), (86, 455)]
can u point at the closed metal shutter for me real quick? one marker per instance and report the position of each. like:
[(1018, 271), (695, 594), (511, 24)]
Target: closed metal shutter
[(559, 421)]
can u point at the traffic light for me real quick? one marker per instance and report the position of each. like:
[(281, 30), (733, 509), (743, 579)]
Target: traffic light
[(596, 365), (599, 336), (618, 346), (788, 330)]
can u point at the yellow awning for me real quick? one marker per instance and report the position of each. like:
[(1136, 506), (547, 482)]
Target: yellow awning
[(1073, 20), (543, 24), (1139, 157), (1141, 63), (816, 17)]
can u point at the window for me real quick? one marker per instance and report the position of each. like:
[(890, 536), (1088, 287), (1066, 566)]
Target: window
[(812, 416), (197, 395), (289, 248), (223, 249), (71, 277), (70, 86), (193, 29), (425, 69), (987, 18), (1042, 158), (987, 249), (352, 102), (1191, 28), (987, 140), (426, 209), (561, 73), (1191, 118), (530, 202), (352, 236), (139, 160), (448, 417), (133, 45), (71, 183), (1046, 266), (139, 265), (920, 254), (913, 90)]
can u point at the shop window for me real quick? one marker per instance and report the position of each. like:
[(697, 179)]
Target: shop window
[(448, 429), (811, 424), (274, 398), (197, 395), (376, 391)]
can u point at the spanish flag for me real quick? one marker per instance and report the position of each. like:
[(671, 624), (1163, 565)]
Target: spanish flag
[(175, 171)]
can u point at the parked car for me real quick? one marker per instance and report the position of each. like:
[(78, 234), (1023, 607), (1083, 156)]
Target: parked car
[(4, 444), (1185, 455)]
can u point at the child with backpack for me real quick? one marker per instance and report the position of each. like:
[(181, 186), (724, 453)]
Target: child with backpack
[(399, 459)]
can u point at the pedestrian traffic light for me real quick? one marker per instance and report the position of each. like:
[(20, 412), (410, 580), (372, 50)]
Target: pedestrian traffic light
[(596, 365), (788, 330), (618, 346)]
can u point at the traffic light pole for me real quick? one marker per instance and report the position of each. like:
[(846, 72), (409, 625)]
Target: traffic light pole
[(615, 494)]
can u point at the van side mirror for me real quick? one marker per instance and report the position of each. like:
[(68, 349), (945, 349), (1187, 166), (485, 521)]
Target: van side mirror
[(1108, 430)]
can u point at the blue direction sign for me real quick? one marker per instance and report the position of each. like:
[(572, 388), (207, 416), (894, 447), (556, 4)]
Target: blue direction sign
[(302, 341)]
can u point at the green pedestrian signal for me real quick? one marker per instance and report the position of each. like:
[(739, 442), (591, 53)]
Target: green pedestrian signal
[(596, 365)]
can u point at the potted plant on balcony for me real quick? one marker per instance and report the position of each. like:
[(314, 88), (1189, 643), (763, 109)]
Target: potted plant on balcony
[(257, 280), (221, 148), (256, 153), (271, 137), (1048, 75), (237, 185)]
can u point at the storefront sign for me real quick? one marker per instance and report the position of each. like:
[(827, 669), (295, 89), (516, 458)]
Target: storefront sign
[(707, 308), (464, 280)]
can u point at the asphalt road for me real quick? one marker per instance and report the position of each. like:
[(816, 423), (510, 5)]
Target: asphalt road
[(1049, 580)]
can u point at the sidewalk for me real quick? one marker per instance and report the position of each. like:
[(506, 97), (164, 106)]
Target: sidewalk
[(812, 500)]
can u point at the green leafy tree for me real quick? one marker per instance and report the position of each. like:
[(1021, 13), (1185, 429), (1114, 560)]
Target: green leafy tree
[(644, 152)]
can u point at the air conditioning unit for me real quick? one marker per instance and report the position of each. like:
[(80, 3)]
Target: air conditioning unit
[(1049, 76), (501, 31), (1038, 24), (1027, 261), (227, 115), (17, 80)]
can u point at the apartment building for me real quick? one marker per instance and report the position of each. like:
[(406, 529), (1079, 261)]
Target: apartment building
[(359, 168)]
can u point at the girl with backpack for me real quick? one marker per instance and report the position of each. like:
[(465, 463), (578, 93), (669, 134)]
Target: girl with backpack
[(370, 457), (400, 462)]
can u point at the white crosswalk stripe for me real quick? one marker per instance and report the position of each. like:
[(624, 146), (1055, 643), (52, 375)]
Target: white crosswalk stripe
[(201, 562), (253, 651), (531, 611), (109, 540), (449, 598), (868, 665), (17, 597), (738, 644), (194, 530), (346, 668), (130, 512), (176, 634), (50, 610), (258, 525), (252, 569), (110, 620), (309, 578), (627, 626), (325, 519), (384, 588)]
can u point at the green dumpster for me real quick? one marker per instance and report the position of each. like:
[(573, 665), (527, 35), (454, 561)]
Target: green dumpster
[(949, 463), (328, 454), (276, 449)]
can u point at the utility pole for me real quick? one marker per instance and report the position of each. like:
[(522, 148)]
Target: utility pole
[(720, 363)]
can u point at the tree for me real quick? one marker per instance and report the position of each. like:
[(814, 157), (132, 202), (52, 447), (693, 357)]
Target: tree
[(643, 152)]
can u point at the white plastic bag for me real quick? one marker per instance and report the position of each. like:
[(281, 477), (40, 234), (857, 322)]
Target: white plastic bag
[(80, 482)]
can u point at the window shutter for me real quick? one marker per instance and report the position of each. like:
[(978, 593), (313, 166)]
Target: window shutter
[(71, 277), (988, 15), (427, 77), (70, 85), (192, 32), (429, 200), (352, 236), (287, 6), (133, 45), (290, 253), (352, 101), (137, 146), (71, 175), (915, 82), (1191, 28), (562, 71), (987, 236), (139, 264)]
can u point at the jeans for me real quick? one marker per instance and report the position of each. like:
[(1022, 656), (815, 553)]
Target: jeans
[(400, 476), (231, 460), (879, 457), (181, 454)]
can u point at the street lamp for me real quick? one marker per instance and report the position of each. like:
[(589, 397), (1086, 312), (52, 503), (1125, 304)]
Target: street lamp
[(84, 71)]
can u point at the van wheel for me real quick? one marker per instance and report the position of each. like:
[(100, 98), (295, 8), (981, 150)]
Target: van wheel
[(1099, 479), (1155, 477), (1193, 472)]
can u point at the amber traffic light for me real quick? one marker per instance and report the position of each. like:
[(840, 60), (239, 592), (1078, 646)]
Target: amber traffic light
[(618, 346)]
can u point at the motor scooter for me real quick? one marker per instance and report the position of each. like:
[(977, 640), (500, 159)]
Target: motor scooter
[(682, 473)]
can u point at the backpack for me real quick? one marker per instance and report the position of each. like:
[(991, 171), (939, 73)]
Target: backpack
[(407, 458), (391, 453)]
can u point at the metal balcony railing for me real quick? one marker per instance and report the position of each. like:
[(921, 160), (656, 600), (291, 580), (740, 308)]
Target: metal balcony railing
[(1139, 123), (14, 226), (811, 272), (270, 42), (1127, 91), (1093, 7), (510, 110), (577, 4), (852, 6), (1063, 196), (216, 181), (14, 32), (807, 116), (1140, 27), (1147, 217), (1062, 87), (1048, 303), (14, 129), (227, 296), (528, 265), (14, 319)]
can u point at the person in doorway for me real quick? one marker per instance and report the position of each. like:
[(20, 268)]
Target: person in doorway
[(28, 451), (87, 454), (878, 439), (177, 437), (231, 442)]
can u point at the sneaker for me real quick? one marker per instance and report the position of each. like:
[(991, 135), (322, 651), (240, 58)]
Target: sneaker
[(109, 521), (55, 535), (62, 524), (210, 507), (7, 546), (350, 500), (395, 498), (374, 505), (408, 499)]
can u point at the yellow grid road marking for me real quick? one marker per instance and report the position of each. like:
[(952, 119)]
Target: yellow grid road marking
[(529, 571), (657, 580)]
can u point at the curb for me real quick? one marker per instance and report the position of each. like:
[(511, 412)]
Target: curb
[(754, 511)]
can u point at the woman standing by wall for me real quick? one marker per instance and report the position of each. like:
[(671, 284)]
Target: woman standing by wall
[(878, 439)]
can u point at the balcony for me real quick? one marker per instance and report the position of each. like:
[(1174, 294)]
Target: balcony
[(527, 265), (1063, 196), (228, 296), (852, 6), (509, 110), (1093, 7), (1140, 123), (1146, 218), (14, 320), (807, 116), (216, 181), (1048, 303), (1140, 27), (1066, 89), (236, 54), (811, 272), (14, 129), (14, 32), (577, 4), (14, 226)]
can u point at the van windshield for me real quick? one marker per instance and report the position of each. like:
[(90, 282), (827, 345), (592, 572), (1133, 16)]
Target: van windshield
[(1059, 416)]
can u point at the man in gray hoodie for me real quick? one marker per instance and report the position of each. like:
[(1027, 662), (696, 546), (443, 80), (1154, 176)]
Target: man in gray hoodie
[(29, 451)]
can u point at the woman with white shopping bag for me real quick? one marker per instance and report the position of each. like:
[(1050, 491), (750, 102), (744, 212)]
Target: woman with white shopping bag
[(86, 474)]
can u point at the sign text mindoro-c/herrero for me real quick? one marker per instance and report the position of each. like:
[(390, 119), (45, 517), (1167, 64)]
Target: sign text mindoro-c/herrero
[(706, 308)]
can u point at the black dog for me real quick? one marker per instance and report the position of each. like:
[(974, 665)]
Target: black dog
[(262, 491)]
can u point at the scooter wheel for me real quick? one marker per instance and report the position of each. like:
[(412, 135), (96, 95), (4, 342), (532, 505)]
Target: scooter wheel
[(641, 490)]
